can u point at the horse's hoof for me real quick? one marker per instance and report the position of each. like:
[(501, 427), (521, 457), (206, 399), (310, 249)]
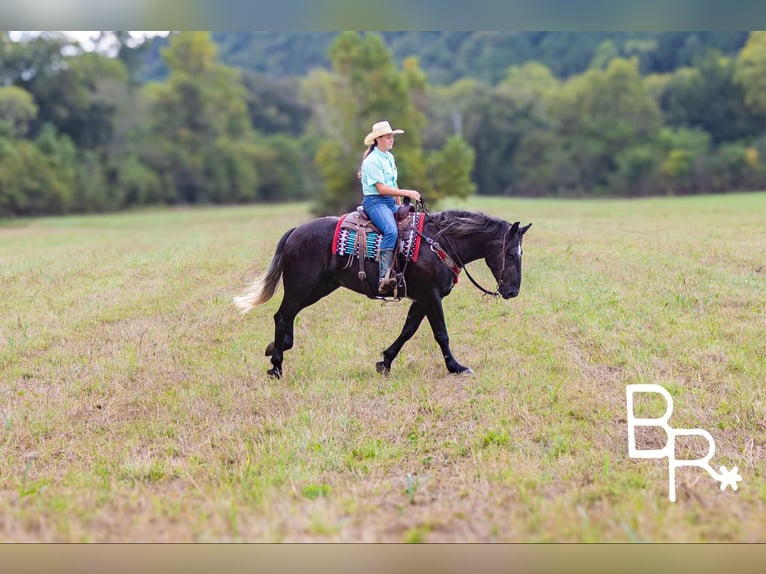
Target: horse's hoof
[(464, 371), (275, 373), (270, 349), (380, 366)]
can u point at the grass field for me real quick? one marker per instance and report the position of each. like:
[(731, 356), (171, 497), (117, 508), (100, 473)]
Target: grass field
[(134, 402)]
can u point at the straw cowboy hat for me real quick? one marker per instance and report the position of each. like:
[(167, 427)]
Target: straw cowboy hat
[(380, 129)]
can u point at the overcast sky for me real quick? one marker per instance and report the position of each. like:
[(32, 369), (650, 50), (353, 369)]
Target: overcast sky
[(84, 36)]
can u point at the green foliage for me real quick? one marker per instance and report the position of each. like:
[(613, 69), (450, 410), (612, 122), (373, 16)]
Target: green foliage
[(71, 98), (730, 166), (200, 126), (137, 183), (448, 56), (229, 172), (37, 177), (364, 87), (314, 491), (499, 121), (544, 166), (751, 71), (605, 53), (694, 140), (284, 176), (452, 110), (678, 167), (274, 105), (17, 111), (708, 98), (637, 169), (266, 116), (450, 169), (602, 113), (91, 192)]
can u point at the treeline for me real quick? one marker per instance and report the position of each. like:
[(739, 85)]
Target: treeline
[(79, 133), (82, 131), (448, 56)]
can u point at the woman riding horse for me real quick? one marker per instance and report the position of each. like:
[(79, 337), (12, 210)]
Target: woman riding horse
[(309, 270), (379, 189)]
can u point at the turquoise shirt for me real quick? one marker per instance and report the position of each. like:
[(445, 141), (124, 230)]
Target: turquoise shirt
[(378, 167)]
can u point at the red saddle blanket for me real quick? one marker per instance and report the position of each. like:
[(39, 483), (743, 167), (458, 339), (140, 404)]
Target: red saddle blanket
[(355, 229)]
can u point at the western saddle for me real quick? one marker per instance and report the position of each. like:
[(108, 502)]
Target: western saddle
[(359, 221)]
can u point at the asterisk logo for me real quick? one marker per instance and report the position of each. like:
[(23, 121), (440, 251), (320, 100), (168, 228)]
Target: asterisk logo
[(729, 477)]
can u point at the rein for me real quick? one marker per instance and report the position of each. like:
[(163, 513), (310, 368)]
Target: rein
[(448, 261)]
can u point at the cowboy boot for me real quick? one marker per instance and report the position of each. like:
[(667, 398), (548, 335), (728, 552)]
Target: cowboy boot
[(387, 281)]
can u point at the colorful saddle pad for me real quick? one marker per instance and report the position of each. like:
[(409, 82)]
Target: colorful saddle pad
[(345, 239)]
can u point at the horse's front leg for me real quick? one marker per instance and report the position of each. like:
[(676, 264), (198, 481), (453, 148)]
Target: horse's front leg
[(414, 318), (435, 314)]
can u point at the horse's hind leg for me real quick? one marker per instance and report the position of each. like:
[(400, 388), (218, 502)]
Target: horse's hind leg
[(414, 318), (320, 290), (284, 321)]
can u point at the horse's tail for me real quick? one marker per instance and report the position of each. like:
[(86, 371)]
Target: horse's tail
[(263, 287)]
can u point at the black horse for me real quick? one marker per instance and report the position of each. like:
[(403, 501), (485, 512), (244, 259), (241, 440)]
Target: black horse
[(310, 271)]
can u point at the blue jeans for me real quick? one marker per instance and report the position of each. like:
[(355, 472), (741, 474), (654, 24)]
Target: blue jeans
[(380, 209)]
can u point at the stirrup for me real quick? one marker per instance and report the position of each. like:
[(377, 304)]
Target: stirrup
[(387, 285)]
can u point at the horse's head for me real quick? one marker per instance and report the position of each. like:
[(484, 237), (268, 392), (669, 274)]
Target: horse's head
[(504, 260)]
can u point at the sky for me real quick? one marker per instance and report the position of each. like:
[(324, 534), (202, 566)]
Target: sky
[(84, 36)]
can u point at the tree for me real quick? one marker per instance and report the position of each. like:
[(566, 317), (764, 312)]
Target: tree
[(707, 97), (637, 169), (274, 105), (65, 84), (288, 176), (37, 177), (605, 53), (502, 118), (201, 134), (449, 112), (683, 150), (17, 111), (72, 99), (364, 87), (450, 169), (751, 71), (602, 113)]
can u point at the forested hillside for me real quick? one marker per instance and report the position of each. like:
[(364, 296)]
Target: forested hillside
[(203, 117), (449, 56)]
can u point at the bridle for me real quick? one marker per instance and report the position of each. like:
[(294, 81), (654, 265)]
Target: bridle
[(436, 248)]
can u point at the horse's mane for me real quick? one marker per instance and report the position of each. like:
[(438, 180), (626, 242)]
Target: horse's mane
[(460, 223)]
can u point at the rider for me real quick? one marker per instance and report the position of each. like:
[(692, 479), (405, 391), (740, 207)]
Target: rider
[(381, 195)]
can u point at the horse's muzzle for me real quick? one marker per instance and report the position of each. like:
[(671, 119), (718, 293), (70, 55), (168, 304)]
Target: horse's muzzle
[(508, 292)]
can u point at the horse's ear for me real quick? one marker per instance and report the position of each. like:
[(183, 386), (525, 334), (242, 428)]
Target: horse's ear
[(525, 229), (514, 228)]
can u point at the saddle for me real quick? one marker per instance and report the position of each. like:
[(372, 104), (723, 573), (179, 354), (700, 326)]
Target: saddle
[(359, 219), (356, 235)]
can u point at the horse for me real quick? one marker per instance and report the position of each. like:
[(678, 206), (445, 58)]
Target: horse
[(309, 270)]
